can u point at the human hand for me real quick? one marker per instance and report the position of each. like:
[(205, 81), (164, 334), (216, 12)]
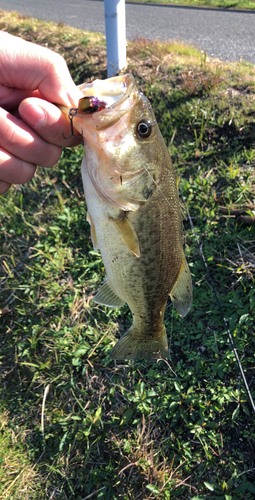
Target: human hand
[(31, 127)]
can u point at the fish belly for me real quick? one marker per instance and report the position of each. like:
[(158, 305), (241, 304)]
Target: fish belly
[(145, 282)]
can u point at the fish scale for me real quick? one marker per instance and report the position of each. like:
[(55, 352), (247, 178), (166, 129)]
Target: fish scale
[(134, 213)]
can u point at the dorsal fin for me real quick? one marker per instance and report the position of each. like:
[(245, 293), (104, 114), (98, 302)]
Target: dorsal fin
[(181, 293)]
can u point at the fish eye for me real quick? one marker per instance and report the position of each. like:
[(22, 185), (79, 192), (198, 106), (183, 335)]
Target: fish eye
[(143, 129)]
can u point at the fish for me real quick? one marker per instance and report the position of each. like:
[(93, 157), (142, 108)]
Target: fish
[(134, 212)]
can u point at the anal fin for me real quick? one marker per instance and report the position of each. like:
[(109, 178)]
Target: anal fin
[(106, 296), (181, 293), (127, 233)]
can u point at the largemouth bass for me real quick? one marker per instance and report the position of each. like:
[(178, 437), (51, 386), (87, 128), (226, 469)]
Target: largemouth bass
[(134, 212)]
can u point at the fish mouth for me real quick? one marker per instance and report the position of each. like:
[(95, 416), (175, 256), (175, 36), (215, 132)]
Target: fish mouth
[(112, 91), (106, 101)]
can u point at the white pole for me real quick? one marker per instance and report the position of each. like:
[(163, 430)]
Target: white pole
[(115, 29)]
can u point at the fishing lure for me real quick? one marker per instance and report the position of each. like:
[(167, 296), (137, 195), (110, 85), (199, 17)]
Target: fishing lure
[(87, 105)]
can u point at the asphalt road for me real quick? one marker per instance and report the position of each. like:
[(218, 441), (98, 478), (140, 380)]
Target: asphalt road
[(227, 35)]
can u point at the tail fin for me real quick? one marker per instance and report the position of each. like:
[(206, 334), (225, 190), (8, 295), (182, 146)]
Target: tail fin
[(134, 344)]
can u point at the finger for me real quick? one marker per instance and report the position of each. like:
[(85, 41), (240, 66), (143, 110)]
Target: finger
[(31, 67), (48, 122), (13, 170), (18, 139), (4, 186), (10, 98)]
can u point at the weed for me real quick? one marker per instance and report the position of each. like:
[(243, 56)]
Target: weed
[(181, 429), (224, 4)]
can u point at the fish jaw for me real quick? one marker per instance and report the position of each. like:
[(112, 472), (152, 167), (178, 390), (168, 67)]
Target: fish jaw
[(119, 95), (123, 168)]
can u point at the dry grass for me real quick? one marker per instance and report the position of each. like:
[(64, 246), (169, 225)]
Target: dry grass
[(18, 476), (45, 32)]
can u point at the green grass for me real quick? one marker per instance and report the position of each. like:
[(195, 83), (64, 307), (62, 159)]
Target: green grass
[(177, 430), (220, 4)]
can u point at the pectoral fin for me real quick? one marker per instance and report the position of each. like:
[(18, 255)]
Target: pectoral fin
[(181, 293), (106, 296), (127, 233), (92, 232)]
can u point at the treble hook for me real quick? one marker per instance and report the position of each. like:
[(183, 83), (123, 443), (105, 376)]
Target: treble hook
[(71, 115)]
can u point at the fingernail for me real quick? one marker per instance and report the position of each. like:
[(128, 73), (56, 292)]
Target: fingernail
[(33, 114)]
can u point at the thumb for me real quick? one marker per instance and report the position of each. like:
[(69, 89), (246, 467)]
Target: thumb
[(48, 121)]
